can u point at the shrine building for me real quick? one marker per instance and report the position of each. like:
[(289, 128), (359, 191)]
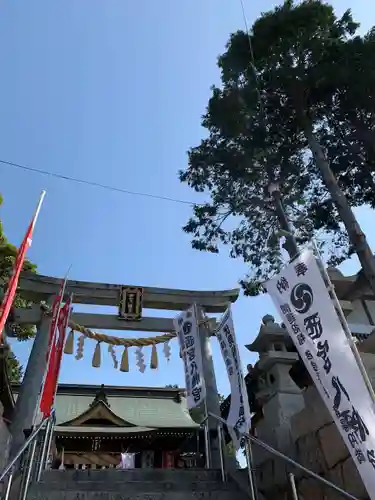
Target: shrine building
[(94, 425)]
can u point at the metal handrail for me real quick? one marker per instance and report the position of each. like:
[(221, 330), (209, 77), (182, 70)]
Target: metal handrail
[(291, 462), (293, 486), (25, 445)]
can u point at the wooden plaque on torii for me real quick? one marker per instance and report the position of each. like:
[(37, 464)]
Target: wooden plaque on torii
[(130, 307)]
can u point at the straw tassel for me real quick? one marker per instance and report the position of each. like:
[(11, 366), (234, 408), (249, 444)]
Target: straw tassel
[(69, 344), (167, 350), (97, 356), (154, 358), (124, 367), (112, 352), (80, 346)]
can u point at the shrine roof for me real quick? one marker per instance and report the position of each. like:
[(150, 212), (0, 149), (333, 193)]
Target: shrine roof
[(76, 429), (352, 287), (148, 407)]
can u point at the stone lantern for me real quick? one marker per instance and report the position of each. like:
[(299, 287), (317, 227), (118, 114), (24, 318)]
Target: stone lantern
[(278, 393)]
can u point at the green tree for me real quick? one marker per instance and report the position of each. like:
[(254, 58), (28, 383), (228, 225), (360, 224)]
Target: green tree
[(280, 122), (14, 368), (8, 254)]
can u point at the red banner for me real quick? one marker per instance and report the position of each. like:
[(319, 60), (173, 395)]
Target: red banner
[(55, 314), (13, 282), (57, 338), (63, 323), (8, 299)]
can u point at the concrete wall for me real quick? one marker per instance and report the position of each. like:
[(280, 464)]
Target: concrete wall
[(319, 447), (5, 439), (358, 315), (371, 308)]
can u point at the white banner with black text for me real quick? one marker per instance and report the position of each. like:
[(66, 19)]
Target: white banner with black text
[(186, 325), (239, 417), (300, 295)]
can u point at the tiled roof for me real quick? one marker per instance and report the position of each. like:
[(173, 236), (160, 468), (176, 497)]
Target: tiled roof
[(139, 411), (101, 430)]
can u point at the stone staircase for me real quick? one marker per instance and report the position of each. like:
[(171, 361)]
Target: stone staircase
[(137, 484)]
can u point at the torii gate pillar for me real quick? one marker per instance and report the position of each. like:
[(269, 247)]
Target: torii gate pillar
[(212, 396), (25, 409)]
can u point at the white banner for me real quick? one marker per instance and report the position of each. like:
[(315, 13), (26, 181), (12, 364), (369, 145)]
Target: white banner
[(239, 417), (186, 326), (303, 301)]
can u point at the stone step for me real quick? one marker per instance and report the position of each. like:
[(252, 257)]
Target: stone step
[(134, 486), (125, 494), (108, 476)]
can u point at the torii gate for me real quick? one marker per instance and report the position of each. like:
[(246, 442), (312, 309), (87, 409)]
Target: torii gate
[(38, 288)]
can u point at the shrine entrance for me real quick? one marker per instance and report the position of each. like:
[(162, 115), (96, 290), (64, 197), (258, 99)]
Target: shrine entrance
[(89, 442), (112, 421)]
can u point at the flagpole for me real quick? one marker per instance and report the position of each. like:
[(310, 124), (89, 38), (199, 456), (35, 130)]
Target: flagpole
[(38, 207), (344, 323), (248, 447)]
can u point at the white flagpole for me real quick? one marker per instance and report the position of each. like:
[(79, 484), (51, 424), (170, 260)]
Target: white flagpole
[(38, 207), (344, 323), (248, 447)]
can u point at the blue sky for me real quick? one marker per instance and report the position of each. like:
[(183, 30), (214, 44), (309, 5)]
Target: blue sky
[(112, 91)]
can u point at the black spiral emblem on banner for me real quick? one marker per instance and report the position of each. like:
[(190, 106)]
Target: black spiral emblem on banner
[(302, 297)]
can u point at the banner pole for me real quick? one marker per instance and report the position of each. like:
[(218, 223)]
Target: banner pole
[(340, 312), (249, 461), (38, 207), (207, 441)]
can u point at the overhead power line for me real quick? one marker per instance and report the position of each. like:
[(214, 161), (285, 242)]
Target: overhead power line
[(95, 184)]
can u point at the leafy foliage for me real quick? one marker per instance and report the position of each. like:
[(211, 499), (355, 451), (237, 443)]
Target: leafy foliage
[(8, 254), (15, 370), (261, 123)]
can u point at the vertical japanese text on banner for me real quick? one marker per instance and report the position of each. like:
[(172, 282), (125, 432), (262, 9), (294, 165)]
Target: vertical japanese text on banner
[(239, 417), (187, 330), (301, 295)]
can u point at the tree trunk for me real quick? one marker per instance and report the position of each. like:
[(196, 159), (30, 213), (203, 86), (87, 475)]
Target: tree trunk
[(356, 237), (290, 244)]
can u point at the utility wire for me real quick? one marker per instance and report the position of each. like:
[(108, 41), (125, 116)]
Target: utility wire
[(95, 184)]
